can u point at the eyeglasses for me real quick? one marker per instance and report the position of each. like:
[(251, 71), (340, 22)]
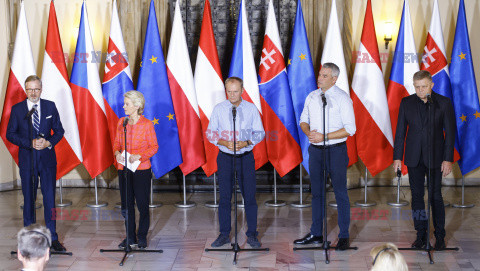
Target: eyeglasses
[(376, 256), (34, 89)]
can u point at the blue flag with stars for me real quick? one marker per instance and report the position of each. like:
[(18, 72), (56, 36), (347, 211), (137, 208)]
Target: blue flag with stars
[(153, 83), (465, 96), (301, 76)]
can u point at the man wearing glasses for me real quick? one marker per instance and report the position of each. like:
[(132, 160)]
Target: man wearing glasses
[(36, 141)]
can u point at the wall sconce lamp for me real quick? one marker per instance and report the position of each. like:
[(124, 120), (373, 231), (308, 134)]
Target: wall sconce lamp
[(388, 27)]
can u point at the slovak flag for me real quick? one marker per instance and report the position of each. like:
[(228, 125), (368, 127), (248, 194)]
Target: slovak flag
[(243, 66), (117, 79), (180, 79), (434, 60), (208, 85), (374, 131), (283, 144), (405, 64), (89, 105), (55, 82)]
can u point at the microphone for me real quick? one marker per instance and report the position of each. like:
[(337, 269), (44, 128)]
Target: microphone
[(125, 121), (234, 112), (324, 99), (429, 99), (30, 113), (399, 173)]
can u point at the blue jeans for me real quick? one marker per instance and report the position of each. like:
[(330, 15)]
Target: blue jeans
[(248, 185), (337, 162)]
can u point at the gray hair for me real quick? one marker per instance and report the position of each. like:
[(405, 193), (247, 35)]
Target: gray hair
[(32, 78), (34, 241), (333, 67), (234, 79), (420, 75), (137, 99)]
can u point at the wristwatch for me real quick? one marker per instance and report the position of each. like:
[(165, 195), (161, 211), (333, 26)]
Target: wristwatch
[(326, 137)]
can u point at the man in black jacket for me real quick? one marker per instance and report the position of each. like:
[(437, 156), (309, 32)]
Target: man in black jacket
[(415, 130)]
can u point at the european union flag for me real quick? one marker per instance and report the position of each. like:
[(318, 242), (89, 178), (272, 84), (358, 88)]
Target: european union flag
[(153, 83), (465, 96), (301, 76)]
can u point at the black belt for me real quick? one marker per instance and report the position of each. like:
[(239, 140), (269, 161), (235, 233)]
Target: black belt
[(238, 155), (328, 146)]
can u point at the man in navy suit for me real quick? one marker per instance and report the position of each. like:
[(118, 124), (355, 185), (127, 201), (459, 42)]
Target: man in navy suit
[(413, 132), (37, 141)]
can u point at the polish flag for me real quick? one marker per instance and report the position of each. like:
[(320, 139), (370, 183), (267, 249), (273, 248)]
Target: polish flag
[(333, 52), (89, 105), (405, 64), (208, 84), (374, 131), (243, 66), (57, 89), (434, 60), (22, 66), (180, 79)]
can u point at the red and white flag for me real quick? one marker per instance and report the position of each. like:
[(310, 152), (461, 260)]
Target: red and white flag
[(333, 52), (89, 103), (22, 66), (374, 131), (57, 89), (180, 79), (208, 84)]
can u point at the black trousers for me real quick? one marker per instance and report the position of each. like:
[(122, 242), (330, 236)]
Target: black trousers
[(417, 179), (137, 189)]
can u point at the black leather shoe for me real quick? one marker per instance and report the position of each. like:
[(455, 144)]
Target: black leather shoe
[(420, 243), (440, 244), (309, 239), (142, 243), (343, 244), (56, 246)]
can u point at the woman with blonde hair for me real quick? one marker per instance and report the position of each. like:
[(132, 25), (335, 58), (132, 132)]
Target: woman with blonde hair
[(386, 257), (141, 145)]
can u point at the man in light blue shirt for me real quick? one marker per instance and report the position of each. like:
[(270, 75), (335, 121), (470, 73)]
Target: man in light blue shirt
[(340, 123), (249, 132)]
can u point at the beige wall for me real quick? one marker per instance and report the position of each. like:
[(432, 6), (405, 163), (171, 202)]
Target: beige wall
[(133, 14)]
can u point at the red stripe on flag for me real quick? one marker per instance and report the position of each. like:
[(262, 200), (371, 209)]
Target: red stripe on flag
[(395, 94), (211, 151), (369, 37), (66, 158), (207, 40), (189, 128), (53, 45), (280, 143), (260, 150), (96, 146), (374, 148), (14, 95)]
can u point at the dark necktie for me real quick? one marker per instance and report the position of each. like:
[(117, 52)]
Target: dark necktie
[(36, 119)]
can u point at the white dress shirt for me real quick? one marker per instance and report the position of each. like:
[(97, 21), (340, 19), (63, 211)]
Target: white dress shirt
[(339, 113)]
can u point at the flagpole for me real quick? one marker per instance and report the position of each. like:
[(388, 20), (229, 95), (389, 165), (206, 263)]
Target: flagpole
[(301, 203), (185, 203), (214, 203), (275, 202), (62, 202), (96, 203), (365, 203), (462, 204), (153, 204), (399, 202)]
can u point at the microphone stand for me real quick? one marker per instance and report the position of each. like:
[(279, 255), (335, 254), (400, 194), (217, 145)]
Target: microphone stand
[(326, 244), (235, 248), (428, 247), (128, 248)]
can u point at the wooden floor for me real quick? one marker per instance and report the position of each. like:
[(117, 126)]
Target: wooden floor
[(183, 234)]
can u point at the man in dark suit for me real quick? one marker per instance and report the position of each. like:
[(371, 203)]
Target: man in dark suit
[(413, 128), (37, 143)]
